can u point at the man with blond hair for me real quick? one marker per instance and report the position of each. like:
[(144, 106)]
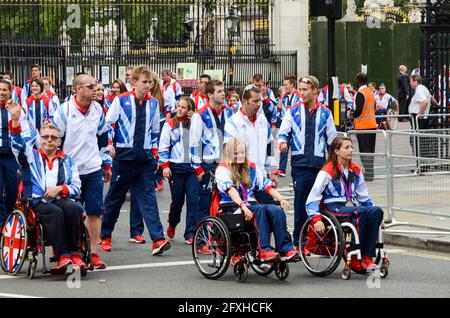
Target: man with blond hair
[(135, 118), (311, 128)]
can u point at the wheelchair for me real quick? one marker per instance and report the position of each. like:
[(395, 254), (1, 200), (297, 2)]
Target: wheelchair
[(228, 235), (23, 238), (388, 121), (322, 254)]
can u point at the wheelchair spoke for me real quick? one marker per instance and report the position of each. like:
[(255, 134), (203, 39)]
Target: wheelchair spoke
[(329, 253), (318, 264)]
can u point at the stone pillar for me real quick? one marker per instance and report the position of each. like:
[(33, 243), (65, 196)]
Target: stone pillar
[(290, 30)]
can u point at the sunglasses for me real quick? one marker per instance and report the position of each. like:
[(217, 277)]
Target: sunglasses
[(90, 86), (249, 87), (307, 81), (48, 137)]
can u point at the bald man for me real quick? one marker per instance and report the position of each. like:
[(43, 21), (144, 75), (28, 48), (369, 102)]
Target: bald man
[(85, 133), (403, 90)]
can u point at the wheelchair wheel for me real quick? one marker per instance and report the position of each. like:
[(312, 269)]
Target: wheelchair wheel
[(211, 247), (263, 269), (14, 242), (391, 121), (384, 269), (322, 254), (32, 268), (84, 246), (240, 271), (282, 270)]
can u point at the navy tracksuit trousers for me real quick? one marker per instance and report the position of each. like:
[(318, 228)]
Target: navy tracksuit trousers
[(9, 184), (366, 219), (303, 179), (184, 186), (271, 219), (140, 177)]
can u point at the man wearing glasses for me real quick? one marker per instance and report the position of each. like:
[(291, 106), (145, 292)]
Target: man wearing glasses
[(55, 183), (310, 127), (83, 127)]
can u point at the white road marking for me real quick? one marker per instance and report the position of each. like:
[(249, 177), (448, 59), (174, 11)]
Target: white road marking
[(182, 263), (418, 254), (146, 265), (6, 276), (121, 267), (16, 296)]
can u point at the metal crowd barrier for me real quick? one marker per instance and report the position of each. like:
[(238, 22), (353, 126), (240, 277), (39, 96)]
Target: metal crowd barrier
[(417, 180)]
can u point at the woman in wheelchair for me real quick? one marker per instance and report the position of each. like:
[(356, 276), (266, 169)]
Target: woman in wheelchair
[(237, 180), (340, 186), (54, 184)]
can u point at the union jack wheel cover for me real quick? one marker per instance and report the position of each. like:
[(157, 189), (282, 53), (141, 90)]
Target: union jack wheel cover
[(13, 243)]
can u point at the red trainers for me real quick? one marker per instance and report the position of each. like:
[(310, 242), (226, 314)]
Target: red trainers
[(77, 261), (160, 185), (171, 232), (236, 259), (355, 264), (63, 262), (137, 239), (189, 241), (160, 247), (204, 250), (269, 255), (368, 263), (106, 245), (97, 262), (292, 255), (281, 173)]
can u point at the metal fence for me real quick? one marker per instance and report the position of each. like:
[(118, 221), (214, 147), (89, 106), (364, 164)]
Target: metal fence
[(407, 180), (102, 37)]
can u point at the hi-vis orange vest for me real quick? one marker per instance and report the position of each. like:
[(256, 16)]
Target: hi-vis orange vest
[(367, 118)]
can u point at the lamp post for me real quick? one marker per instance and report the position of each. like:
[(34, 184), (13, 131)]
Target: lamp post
[(231, 24)]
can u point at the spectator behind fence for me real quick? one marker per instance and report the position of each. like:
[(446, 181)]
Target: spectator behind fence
[(420, 105), (365, 120), (403, 90)]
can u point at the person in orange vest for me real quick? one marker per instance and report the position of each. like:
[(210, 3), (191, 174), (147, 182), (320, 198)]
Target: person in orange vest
[(365, 120)]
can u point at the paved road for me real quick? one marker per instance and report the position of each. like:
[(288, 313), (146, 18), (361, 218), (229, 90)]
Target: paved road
[(134, 272)]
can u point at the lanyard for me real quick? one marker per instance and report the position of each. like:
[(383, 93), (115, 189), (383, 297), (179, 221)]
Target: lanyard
[(244, 192), (347, 187)]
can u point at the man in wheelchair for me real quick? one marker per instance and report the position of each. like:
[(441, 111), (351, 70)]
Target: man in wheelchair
[(237, 180), (386, 104), (340, 186), (54, 184)]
